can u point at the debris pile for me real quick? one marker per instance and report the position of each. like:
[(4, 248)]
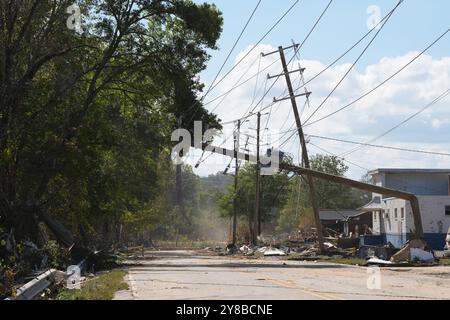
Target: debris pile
[(413, 252), (297, 249), (383, 252), (305, 248)]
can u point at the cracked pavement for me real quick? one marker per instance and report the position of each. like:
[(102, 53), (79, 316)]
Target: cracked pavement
[(191, 275)]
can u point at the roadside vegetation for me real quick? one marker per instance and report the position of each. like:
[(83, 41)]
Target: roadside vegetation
[(86, 117), (444, 262), (102, 287), (285, 205)]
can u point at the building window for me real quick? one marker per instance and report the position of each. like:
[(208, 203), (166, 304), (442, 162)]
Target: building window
[(396, 213), (375, 214), (387, 213), (402, 213), (447, 210)]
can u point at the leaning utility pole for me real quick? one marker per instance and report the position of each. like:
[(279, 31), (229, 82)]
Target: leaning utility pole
[(292, 97), (418, 226), (236, 173), (257, 216)]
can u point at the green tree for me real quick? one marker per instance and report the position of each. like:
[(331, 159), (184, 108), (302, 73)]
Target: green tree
[(85, 119), (272, 196), (329, 195)]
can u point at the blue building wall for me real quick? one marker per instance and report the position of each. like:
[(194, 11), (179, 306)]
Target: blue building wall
[(419, 183), (372, 240), (435, 240)]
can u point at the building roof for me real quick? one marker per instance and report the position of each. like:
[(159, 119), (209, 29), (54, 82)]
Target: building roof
[(374, 204), (398, 170), (334, 215)]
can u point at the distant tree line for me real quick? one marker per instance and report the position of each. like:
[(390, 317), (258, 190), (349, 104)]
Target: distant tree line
[(285, 204)]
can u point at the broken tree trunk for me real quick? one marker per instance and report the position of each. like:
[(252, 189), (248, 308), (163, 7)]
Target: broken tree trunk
[(62, 234)]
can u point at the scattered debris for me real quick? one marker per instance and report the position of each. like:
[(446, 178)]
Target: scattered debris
[(329, 245), (231, 249), (244, 249), (382, 252), (272, 252), (402, 255), (261, 250), (421, 255), (33, 288), (347, 243), (335, 248), (376, 261), (414, 251)]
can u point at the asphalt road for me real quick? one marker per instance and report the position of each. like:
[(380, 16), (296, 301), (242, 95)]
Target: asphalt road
[(186, 275)]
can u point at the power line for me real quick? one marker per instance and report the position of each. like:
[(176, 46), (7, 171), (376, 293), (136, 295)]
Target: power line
[(259, 41), (341, 158), (289, 138), (246, 55), (224, 96), (211, 87), (316, 23), (332, 63), (380, 146), (234, 47), (354, 64), (238, 85), (201, 161), (283, 134), (439, 98), (257, 79), (247, 114), (251, 113), (346, 52), (382, 83), (271, 108), (298, 48)]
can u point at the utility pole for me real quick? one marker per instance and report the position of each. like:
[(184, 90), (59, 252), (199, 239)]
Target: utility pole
[(236, 148), (305, 157), (257, 215), (418, 232)]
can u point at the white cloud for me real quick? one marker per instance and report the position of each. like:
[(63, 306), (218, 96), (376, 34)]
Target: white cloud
[(407, 93), (438, 123)]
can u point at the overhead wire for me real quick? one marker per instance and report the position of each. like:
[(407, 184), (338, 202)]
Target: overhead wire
[(228, 92), (258, 42), (353, 64), (330, 65), (297, 49), (382, 83), (213, 85), (273, 84), (338, 157), (426, 107), (234, 46), (381, 146)]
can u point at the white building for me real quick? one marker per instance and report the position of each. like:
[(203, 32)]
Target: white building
[(393, 219)]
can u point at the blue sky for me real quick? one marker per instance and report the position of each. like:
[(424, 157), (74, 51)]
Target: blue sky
[(413, 27)]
